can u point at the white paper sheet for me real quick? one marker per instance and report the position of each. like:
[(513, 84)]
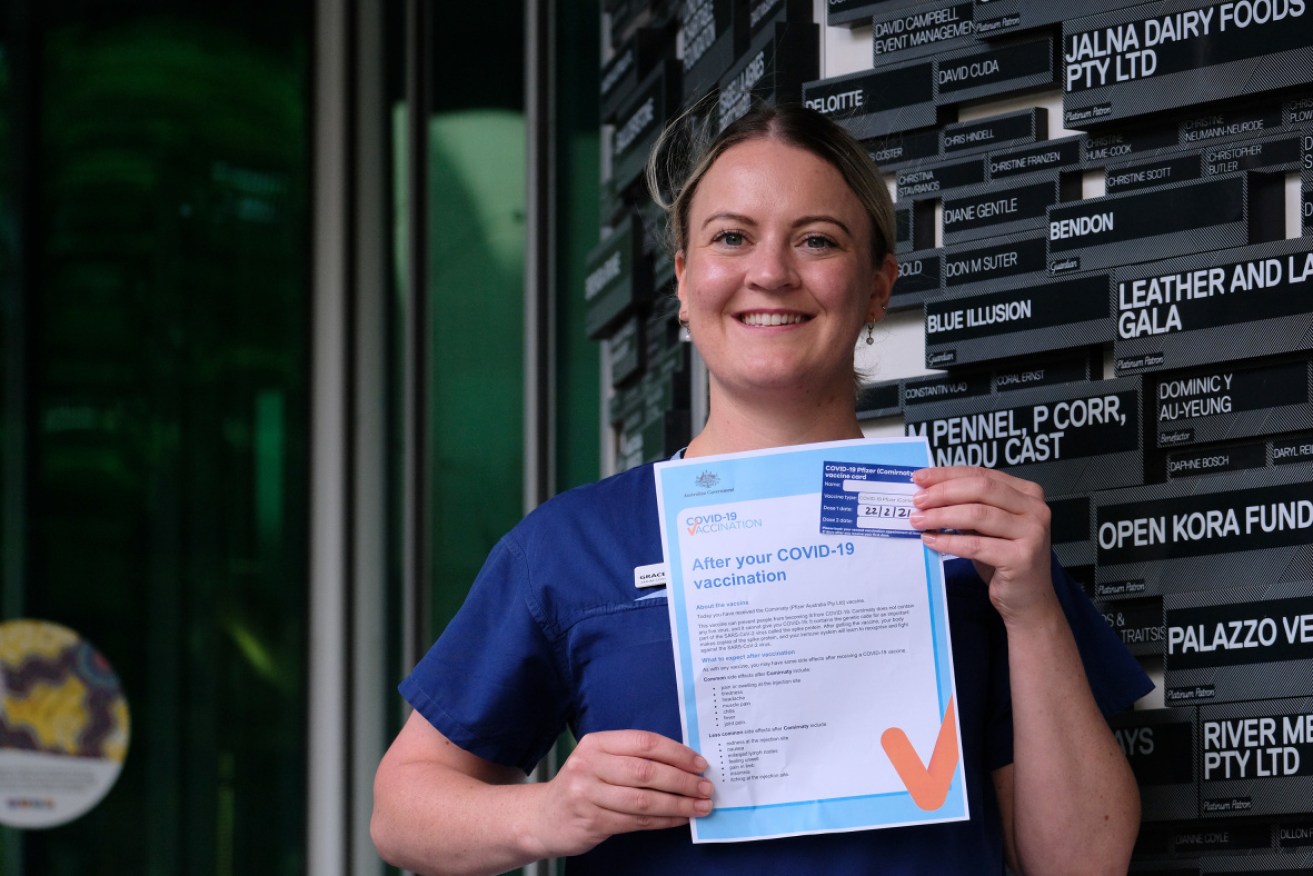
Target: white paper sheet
[(811, 640)]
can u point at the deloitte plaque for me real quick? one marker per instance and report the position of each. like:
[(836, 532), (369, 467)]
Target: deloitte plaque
[(1214, 307), (1149, 58), (1070, 439), (874, 103), (1249, 643), (1204, 533)]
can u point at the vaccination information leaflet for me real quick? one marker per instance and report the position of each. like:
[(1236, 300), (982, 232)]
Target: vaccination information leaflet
[(811, 641)]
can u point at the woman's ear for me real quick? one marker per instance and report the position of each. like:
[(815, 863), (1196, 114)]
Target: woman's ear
[(885, 276), (680, 266)]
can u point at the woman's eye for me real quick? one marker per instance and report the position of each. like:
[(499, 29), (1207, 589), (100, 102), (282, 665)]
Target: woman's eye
[(817, 241), (730, 238)]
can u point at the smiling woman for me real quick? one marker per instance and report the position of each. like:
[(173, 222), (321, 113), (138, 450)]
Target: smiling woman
[(776, 279), (781, 248)]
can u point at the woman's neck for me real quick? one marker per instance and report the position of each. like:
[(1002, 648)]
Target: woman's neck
[(736, 424)]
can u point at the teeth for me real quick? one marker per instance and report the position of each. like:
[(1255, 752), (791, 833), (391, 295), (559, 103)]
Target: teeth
[(772, 318)]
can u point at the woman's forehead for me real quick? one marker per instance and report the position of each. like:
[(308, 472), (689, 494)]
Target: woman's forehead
[(771, 174)]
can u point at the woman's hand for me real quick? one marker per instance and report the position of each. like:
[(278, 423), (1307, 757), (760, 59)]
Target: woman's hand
[(998, 521), (619, 781)]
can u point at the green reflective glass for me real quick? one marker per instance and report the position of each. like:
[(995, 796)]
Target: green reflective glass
[(166, 307)]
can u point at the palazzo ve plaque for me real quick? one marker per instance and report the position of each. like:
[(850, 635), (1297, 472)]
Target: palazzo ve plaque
[(1247, 643), (1147, 59), (1206, 533), (1214, 307), (1070, 439)]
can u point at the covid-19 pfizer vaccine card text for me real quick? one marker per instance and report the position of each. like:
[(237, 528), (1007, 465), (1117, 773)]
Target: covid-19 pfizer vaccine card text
[(872, 500)]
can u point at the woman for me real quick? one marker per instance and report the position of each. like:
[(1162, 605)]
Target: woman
[(782, 237)]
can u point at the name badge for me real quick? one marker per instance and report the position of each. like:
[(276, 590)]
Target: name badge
[(650, 576)]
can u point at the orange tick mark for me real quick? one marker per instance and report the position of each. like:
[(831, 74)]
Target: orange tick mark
[(928, 787)]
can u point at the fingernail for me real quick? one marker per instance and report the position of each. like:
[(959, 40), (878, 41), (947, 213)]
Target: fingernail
[(704, 788), (916, 519), (702, 807), (918, 497), (700, 763), (928, 537)]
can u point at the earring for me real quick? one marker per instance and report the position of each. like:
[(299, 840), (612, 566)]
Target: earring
[(870, 327), (684, 333)]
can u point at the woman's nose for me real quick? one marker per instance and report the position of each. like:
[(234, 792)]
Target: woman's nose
[(772, 267)]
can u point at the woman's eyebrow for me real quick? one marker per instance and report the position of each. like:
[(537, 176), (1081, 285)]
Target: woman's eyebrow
[(727, 215), (821, 217)]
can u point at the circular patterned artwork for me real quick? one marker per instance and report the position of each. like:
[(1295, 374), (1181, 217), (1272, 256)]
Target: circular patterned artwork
[(63, 725)]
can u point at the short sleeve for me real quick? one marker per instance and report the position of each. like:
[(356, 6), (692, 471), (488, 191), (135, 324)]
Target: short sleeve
[(1116, 678), (490, 683)]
